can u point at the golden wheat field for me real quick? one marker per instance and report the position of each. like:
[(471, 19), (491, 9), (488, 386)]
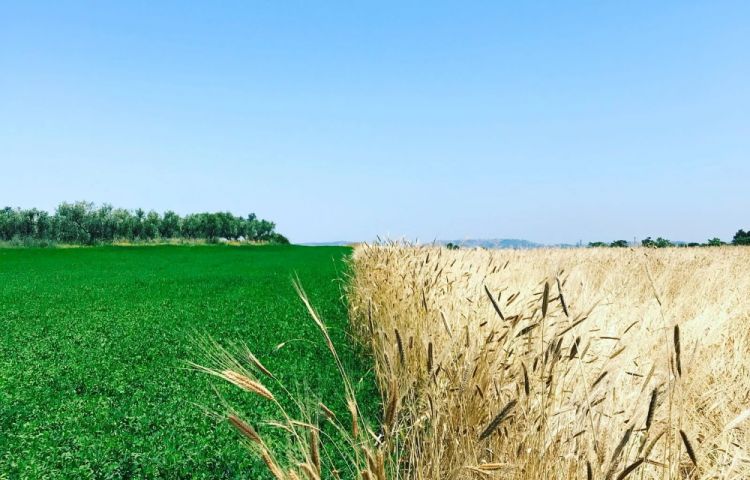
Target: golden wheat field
[(558, 364)]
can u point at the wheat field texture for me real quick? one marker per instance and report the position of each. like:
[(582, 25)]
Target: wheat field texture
[(559, 364)]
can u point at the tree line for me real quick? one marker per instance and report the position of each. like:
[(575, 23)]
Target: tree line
[(85, 223), (742, 237)]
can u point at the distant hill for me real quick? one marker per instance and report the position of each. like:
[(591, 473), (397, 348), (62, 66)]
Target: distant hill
[(338, 243), (493, 243)]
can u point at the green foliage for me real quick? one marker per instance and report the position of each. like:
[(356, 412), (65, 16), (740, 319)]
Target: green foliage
[(94, 345), (170, 225), (598, 244), (741, 238), (715, 242), (658, 243), (663, 243), (615, 244), (451, 246), (278, 238), (83, 223)]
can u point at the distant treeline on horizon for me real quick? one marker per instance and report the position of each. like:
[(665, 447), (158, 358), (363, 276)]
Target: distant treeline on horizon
[(86, 224), (740, 238)]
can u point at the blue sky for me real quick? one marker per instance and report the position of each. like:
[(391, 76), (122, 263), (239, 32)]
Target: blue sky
[(551, 121)]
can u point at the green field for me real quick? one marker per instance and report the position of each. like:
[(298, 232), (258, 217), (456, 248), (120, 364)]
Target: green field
[(94, 345)]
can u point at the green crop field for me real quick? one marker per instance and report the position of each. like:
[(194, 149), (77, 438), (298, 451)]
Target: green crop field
[(94, 345)]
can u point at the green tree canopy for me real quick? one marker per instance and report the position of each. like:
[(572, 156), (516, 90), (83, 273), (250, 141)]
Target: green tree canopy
[(598, 244), (741, 237), (84, 223)]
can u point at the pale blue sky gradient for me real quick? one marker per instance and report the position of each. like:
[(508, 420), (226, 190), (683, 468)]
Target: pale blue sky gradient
[(551, 121)]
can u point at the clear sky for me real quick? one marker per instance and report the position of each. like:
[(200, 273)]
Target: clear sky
[(550, 121)]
